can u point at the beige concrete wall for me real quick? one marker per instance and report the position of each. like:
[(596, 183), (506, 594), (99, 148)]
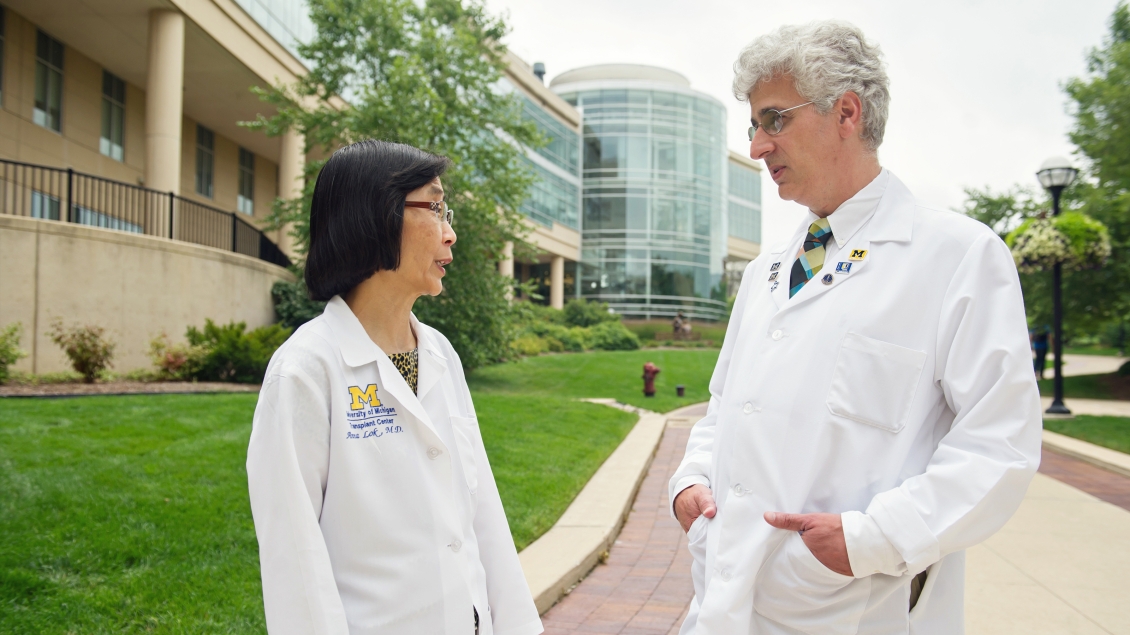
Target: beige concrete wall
[(133, 286)]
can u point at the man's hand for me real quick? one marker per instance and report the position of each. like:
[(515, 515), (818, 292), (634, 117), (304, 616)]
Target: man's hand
[(693, 502), (823, 534)]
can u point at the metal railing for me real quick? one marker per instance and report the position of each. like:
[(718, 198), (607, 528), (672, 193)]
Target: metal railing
[(65, 195)]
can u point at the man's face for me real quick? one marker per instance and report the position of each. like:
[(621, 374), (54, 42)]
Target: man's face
[(803, 155)]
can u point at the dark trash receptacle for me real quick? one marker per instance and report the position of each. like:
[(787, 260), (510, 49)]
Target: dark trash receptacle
[(681, 390)]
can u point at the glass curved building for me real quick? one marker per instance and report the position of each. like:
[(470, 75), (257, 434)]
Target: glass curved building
[(654, 203)]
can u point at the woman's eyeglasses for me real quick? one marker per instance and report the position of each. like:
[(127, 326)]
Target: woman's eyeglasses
[(772, 121), (443, 212)]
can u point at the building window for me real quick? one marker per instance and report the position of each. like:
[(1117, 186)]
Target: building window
[(44, 206), (113, 115), (205, 160), (3, 30), (48, 82), (246, 203)]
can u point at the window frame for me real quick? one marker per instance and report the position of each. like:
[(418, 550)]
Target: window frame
[(112, 104), (48, 68), (205, 162), (245, 202)]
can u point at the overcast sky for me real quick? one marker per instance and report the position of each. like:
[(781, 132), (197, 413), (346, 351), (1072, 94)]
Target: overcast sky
[(975, 85)]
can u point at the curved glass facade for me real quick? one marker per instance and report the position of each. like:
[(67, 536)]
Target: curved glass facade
[(653, 230), (744, 204)]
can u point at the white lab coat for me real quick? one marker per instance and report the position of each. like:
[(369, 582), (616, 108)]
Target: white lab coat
[(377, 518), (900, 395)]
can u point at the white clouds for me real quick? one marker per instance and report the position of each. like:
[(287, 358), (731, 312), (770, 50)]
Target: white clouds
[(974, 83)]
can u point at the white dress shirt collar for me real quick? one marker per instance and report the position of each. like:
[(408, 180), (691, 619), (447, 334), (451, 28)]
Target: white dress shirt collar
[(856, 211)]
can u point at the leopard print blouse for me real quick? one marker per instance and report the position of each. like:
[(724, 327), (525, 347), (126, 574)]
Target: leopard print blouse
[(409, 366)]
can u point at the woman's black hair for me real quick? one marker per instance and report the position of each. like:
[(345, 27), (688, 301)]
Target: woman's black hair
[(357, 212)]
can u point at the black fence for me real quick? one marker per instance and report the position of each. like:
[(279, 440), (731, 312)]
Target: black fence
[(49, 193)]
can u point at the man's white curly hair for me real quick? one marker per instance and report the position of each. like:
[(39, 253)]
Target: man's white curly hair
[(825, 60)]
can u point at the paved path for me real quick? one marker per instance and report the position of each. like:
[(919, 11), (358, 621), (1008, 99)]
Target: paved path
[(1059, 567), (1086, 365), (1099, 407)]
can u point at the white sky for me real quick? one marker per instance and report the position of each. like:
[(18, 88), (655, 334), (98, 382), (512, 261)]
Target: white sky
[(975, 84)]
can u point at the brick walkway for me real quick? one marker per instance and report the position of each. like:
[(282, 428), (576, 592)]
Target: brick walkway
[(646, 586), (1108, 486)]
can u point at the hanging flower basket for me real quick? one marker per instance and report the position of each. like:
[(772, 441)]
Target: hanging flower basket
[(1074, 239)]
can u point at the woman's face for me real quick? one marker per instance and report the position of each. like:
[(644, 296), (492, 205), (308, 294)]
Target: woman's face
[(425, 242)]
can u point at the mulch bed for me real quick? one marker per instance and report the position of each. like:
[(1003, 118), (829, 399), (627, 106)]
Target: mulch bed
[(1119, 386), (122, 388)]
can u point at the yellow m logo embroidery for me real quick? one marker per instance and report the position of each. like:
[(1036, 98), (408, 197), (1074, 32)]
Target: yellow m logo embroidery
[(361, 398)]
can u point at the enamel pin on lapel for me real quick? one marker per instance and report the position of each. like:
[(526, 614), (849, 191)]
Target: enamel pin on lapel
[(827, 279), (857, 254), (843, 267), (775, 266), (773, 276), (774, 285)]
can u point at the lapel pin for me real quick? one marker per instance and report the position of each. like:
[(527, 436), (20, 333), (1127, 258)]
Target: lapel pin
[(773, 276), (827, 279), (775, 266), (774, 287), (843, 267), (857, 254)]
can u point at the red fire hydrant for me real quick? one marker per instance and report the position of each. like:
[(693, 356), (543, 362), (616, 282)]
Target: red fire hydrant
[(649, 372)]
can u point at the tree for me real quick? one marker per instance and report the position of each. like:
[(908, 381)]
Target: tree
[(1100, 106), (424, 74)]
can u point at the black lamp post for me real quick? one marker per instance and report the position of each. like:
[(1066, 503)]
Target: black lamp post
[(1056, 174)]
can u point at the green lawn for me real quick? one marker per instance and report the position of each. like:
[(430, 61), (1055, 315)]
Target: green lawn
[(1105, 386), (1089, 350), (603, 374), (130, 514), (1110, 432)]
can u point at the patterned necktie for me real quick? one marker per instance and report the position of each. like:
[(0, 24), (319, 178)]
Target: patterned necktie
[(810, 258)]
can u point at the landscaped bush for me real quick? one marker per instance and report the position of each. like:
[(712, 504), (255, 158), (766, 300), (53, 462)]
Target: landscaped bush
[(87, 347), (231, 353), (175, 361), (614, 336), (585, 313), (10, 352), (293, 304)]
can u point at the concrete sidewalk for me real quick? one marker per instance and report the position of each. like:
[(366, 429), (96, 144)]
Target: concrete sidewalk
[(1086, 365), (1061, 566)]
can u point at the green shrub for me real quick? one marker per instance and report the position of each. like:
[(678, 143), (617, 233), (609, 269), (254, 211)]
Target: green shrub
[(585, 313), (230, 353), (10, 351), (175, 361), (529, 345), (87, 347), (614, 336), (1124, 370), (293, 304)]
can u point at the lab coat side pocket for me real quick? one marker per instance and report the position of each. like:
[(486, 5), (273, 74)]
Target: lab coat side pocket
[(874, 382), (466, 440), (696, 544), (796, 590)]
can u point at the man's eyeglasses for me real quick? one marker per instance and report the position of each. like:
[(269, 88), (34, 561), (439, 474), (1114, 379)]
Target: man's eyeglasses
[(443, 212), (772, 121)]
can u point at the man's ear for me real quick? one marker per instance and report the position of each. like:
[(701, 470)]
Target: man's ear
[(849, 109)]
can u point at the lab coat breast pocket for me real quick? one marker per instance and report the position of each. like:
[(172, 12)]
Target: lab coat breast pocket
[(796, 590), (874, 382), (467, 440)]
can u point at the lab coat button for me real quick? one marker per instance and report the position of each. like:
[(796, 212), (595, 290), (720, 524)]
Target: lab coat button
[(433, 453), (747, 408), (739, 490), (777, 335), (725, 575), (456, 546)]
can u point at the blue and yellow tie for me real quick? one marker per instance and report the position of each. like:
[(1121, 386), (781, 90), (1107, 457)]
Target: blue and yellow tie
[(810, 258)]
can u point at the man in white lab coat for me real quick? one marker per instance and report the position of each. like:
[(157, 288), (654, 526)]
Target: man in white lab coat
[(873, 412)]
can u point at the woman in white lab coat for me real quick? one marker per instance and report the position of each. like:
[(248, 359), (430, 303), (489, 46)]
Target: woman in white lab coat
[(374, 504)]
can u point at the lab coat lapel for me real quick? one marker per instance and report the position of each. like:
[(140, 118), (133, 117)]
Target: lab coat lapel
[(433, 364), (780, 295), (358, 349), (892, 222)]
